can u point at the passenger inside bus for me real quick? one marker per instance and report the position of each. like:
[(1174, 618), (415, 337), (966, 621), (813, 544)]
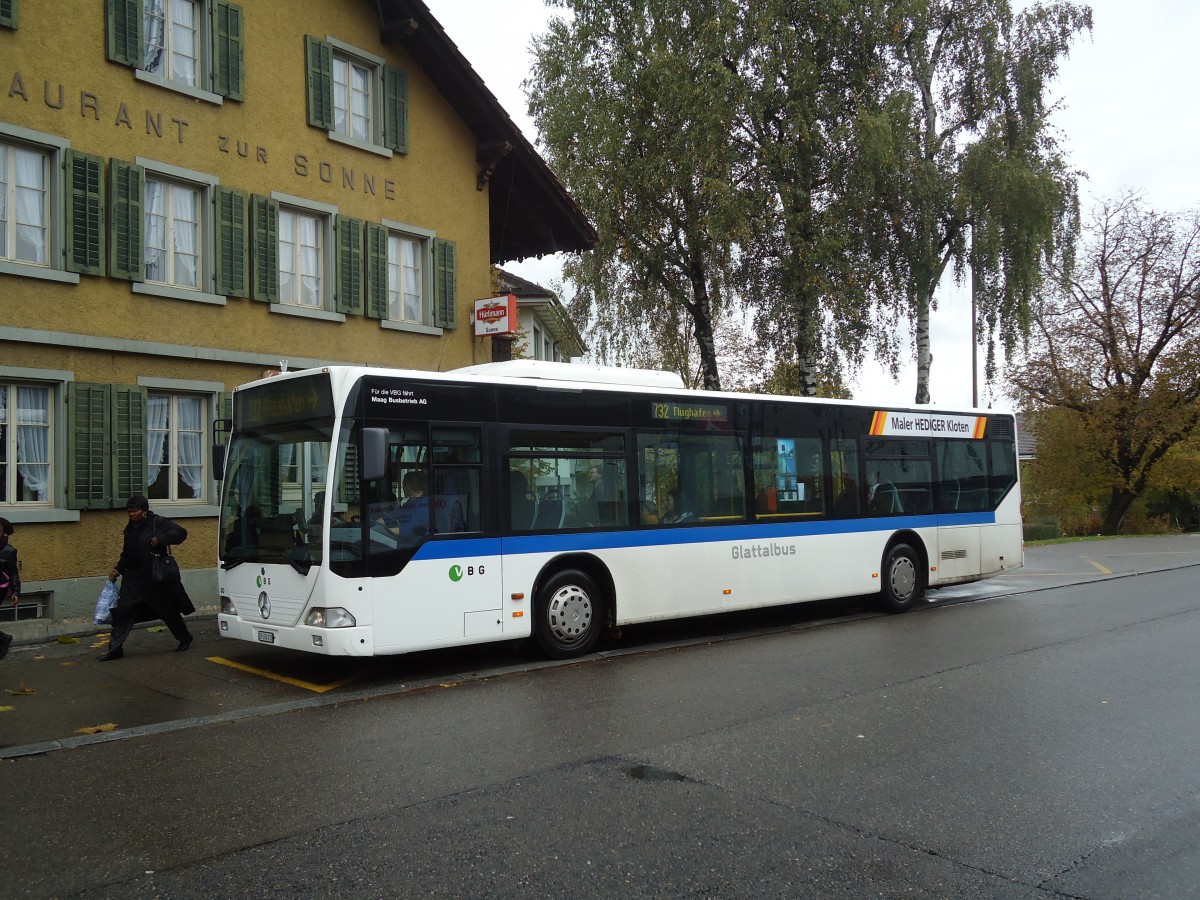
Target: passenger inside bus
[(411, 520), (673, 511)]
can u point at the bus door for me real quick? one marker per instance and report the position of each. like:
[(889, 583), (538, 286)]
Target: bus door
[(962, 488), (428, 516)]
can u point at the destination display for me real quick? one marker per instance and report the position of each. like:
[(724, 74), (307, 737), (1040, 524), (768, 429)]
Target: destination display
[(910, 424)]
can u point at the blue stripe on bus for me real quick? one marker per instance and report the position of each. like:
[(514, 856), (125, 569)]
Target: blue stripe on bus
[(559, 542)]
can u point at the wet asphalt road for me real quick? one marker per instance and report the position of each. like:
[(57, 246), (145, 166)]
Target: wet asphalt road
[(1037, 744)]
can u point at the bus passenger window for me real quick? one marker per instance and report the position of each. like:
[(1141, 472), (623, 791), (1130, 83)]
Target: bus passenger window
[(456, 473), (699, 475), (789, 478)]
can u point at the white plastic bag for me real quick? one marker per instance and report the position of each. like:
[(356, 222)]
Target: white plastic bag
[(108, 599)]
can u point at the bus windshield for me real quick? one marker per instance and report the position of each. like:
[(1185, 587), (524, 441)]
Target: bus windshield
[(274, 506)]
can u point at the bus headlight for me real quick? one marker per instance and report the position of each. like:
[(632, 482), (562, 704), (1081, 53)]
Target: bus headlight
[(331, 617), (227, 606)]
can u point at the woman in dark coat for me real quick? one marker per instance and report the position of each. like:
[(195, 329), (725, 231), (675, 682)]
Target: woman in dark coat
[(146, 535)]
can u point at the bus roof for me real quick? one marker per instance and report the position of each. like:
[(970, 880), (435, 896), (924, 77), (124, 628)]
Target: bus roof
[(560, 371)]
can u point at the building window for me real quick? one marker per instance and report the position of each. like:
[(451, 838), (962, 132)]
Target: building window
[(26, 443), (301, 258), (175, 446), (190, 46), (406, 279), (353, 101), (24, 204), (356, 97), (171, 39), (173, 233)]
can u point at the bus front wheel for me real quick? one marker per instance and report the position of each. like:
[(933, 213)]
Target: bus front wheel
[(569, 615), (903, 585)]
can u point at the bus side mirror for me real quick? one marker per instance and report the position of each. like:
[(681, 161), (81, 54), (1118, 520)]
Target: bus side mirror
[(218, 459), (374, 454)]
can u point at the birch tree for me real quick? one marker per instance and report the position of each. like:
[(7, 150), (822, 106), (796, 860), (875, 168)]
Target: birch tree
[(634, 107), (960, 143)]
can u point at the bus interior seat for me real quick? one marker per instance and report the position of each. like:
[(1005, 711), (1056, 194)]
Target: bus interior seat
[(549, 512)]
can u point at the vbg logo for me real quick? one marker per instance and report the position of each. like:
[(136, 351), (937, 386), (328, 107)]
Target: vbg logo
[(457, 572)]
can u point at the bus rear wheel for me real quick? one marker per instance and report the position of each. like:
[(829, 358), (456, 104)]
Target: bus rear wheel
[(903, 585), (569, 615)]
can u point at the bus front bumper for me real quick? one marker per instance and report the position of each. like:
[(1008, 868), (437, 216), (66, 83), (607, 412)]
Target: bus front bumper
[(328, 641)]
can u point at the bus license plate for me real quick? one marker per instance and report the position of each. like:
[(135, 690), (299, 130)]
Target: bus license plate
[(267, 637)]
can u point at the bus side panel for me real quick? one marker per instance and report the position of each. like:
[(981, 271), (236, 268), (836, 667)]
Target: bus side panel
[(441, 598), (1003, 544)]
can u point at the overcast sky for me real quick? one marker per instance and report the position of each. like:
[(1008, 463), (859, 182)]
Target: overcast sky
[(1129, 122)]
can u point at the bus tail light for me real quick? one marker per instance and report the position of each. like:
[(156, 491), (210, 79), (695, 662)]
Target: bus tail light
[(330, 617)]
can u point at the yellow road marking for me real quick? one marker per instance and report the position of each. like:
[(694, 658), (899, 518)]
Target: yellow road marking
[(1101, 569), (295, 682)]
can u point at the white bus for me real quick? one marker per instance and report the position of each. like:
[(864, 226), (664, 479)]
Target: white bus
[(371, 511)]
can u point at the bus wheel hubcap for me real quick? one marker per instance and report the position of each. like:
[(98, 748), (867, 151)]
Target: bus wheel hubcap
[(904, 577), (570, 613)]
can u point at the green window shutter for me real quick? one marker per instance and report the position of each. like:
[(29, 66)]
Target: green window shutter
[(233, 242), (10, 13), (228, 51), (128, 418), (123, 31), (88, 469), (445, 301), (377, 270), (264, 249), (395, 109), (85, 213), (350, 265), (318, 57), (125, 183)]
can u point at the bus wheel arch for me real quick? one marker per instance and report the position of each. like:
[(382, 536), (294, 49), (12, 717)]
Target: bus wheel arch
[(903, 572), (572, 606)]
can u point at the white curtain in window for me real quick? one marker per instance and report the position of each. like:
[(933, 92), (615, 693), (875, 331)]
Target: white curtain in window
[(183, 41), (158, 413), (412, 280), (310, 261), (154, 17), (33, 439), (191, 433), (186, 208), (154, 202), (30, 183)]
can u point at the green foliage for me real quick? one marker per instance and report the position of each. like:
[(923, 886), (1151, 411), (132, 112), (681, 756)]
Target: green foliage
[(959, 147), (819, 163), (1114, 363), (634, 108)]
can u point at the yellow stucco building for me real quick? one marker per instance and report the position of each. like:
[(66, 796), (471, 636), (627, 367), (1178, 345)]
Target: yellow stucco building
[(195, 191)]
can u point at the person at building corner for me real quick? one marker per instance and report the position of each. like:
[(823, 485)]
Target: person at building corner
[(144, 535), (10, 578)]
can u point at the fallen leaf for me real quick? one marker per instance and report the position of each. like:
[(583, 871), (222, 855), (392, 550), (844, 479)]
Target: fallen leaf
[(69, 662), (23, 691), (67, 639), (99, 644), (156, 628), (7, 708), (97, 729), (39, 657)]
